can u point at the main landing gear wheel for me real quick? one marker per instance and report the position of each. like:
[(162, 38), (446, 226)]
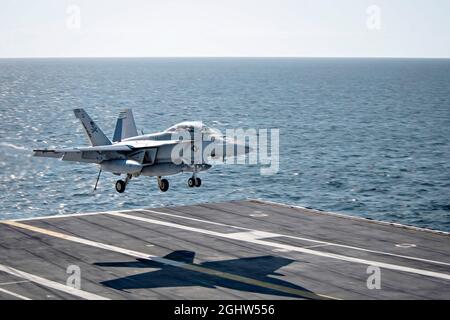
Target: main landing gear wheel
[(194, 182), (120, 186), (163, 185)]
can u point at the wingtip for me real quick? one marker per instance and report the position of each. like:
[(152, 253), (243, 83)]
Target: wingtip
[(77, 111)]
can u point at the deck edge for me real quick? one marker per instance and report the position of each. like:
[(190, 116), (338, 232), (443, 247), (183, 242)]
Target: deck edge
[(316, 211), (358, 218)]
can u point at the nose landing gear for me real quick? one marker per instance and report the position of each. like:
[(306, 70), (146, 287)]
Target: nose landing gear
[(163, 184), (120, 186)]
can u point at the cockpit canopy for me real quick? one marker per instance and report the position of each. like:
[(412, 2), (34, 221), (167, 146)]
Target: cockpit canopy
[(191, 126), (188, 126)]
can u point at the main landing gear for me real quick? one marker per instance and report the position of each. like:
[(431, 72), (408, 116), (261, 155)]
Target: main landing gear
[(121, 185), (194, 182), (163, 184)]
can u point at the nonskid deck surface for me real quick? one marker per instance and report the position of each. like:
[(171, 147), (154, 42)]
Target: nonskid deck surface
[(248, 249)]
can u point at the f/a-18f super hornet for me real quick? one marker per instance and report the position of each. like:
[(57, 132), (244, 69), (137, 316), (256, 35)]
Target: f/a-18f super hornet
[(184, 147)]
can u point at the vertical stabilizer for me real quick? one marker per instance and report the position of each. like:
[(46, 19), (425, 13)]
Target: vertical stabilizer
[(94, 133), (125, 126)]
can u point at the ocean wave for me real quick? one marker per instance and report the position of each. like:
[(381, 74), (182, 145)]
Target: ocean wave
[(13, 146)]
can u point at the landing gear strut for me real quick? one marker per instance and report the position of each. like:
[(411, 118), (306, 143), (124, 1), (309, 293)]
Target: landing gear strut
[(163, 184), (98, 178), (121, 185)]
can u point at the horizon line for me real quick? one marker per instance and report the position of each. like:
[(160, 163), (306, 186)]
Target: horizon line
[(225, 57)]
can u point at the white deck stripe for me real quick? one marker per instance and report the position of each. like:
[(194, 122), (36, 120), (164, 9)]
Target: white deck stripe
[(14, 294), (51, 284), (247, 237), (325, 243), (12, 282), (188, 218)]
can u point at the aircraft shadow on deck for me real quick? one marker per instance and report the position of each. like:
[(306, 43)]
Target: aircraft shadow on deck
[(256, 268)]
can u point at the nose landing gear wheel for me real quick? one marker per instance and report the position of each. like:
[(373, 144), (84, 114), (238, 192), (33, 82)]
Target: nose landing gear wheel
[(120, 186), (198, 182), (164, 185)]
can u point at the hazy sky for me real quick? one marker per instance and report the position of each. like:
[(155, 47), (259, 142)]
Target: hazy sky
[(62, 28)]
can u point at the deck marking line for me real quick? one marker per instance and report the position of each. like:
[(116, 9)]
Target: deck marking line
[(248, 238), (14, 294), (187, 218), (192, 267), (300, 238), (51, 284), (316, 246), (254, 234), (12, 282)]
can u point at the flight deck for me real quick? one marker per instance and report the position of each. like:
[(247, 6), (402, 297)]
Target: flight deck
[(248, 249)]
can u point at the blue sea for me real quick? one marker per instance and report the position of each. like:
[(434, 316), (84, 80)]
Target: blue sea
[(364, 137)]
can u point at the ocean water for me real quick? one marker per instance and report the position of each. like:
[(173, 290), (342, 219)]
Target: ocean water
[(364, 137)]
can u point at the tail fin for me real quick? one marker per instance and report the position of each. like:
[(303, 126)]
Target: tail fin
[(125, 126), (94, 133)]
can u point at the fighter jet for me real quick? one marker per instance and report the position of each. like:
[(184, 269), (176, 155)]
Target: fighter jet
[(185, 147)]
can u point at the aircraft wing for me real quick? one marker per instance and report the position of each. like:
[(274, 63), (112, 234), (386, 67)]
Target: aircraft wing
[(91, 156), (97, 154)]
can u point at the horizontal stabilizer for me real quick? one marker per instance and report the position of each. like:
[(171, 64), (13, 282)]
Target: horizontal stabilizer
[(90, 156), (47, 153)]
